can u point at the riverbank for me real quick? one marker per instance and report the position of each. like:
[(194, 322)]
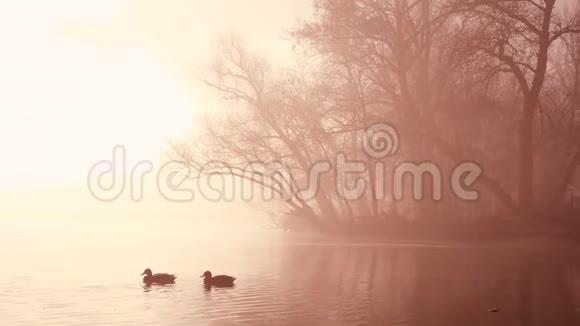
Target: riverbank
[(491, 229)]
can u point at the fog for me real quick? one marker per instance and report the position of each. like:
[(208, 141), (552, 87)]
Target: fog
[(330, 162)]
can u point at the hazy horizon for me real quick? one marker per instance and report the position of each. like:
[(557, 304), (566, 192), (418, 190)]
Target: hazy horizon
[(110, 69)]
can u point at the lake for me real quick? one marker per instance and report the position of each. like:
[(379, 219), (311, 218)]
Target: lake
[(87, 272)]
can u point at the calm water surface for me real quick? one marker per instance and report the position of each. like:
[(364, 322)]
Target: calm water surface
[(86, 272)]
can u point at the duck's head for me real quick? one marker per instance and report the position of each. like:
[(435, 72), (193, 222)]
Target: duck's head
[(147, 272), (207, 274)]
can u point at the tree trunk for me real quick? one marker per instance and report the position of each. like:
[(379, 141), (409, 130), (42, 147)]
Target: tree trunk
[(526, 167), (531, 98)]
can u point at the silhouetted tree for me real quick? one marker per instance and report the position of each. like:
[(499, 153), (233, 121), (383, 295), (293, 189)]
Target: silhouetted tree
[(495, 82)]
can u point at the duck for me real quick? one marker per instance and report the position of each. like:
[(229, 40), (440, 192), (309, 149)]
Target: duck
[(159, 278), (218, 280)]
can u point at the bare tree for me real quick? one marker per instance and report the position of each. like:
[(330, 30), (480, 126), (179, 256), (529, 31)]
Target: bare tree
[(517, 37), (456, 78)]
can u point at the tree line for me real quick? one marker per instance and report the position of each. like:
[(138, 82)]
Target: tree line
[(489, 81)]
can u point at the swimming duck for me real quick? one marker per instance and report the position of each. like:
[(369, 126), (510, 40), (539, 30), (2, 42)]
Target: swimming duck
[(159, 278), (218, 280)]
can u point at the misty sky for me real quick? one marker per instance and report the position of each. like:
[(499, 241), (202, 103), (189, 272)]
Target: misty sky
[(79, 76)]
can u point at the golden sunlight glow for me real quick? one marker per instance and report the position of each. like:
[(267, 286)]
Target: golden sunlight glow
[(80, 76), (66, 102)]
